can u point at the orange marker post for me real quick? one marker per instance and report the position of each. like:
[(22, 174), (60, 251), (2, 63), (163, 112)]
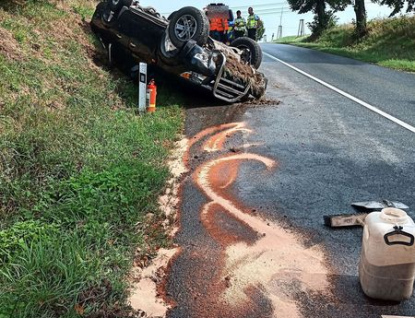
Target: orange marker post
[(151, 96)]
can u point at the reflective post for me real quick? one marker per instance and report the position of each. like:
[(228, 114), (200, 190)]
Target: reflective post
[(142, 88)]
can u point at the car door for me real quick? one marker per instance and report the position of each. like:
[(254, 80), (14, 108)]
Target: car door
[(143, 34)]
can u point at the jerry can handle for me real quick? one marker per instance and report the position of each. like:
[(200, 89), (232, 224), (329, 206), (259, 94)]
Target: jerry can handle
[(399, 231)]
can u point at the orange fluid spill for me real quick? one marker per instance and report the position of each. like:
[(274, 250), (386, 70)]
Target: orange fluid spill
[(209, 131), (203, 174), (276, 254), (275, 261), (218, 231), (212, 130), (216, 143), (224, 174)]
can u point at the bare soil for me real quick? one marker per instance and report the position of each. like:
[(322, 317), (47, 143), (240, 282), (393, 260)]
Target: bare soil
[(9, 47)]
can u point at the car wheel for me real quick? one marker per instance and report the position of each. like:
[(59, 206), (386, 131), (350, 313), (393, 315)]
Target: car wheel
[(171, 15), (188, 23), (252, 53), (166, 53)]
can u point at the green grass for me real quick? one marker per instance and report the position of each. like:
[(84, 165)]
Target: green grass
[(291, 39), (79, 169), (389, 43)]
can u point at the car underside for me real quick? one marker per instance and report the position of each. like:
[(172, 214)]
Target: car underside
[(180, 46)]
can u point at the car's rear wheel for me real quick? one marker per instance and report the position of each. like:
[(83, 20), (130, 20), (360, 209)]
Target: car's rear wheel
[(252, 53), (186, 24)]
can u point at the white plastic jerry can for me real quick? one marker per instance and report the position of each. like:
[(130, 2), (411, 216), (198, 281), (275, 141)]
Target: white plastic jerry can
[(387, 260)]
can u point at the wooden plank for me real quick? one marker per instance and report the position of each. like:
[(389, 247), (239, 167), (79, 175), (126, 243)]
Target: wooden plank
[(345, 220)]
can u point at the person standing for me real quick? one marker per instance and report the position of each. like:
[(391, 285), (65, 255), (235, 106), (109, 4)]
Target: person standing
[(214, 33), (240, 25), (218, 29), (252, 23), (225, 30), (231, 32)]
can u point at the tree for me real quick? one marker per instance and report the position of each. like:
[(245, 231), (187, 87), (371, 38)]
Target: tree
[(260, 30), (361, 18), (321, 22), (397, 5), (360, 10), (322, 16)]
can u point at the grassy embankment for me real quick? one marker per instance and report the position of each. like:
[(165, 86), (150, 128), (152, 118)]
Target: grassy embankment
[(79, 169), (390, 43)]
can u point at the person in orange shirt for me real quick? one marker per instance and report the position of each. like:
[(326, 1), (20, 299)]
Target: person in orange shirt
[(213, 28), (219, 29), (225, 24)]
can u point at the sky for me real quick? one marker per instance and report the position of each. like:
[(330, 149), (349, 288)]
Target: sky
[(270, 13)]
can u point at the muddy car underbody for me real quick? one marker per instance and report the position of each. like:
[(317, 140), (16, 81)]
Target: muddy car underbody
[(180, 46)]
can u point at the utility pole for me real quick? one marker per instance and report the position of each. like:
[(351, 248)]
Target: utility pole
[(301, 28), (279, 33)]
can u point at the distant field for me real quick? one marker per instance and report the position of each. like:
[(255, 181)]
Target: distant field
[(390, 43)]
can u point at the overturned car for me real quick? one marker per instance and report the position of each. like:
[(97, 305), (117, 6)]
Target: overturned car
[(180, 45)]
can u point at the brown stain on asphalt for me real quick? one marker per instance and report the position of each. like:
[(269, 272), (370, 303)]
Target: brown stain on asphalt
[(224, 174), (258, 261), (225, 228), (204, 133)]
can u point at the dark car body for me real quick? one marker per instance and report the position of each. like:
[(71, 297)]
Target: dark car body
[(141, 34)]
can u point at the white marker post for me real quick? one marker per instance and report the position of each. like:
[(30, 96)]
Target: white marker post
[(142, 88)]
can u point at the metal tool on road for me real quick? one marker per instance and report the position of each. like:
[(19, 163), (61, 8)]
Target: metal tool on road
[(370, 206), (387, 316), (364, 208)]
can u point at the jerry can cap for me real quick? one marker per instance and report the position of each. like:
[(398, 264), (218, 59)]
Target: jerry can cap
[(393, 216)]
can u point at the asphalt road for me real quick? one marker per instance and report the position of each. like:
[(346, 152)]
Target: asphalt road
[(327, 152)]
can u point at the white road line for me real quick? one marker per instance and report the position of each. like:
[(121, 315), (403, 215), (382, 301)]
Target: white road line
[(364, 104)]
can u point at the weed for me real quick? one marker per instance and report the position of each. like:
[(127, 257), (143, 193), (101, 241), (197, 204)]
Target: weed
[(48, 275), (20, 36), (83, 11), (15, 239)]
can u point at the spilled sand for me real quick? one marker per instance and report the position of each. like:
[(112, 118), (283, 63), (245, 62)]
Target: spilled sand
[(277, 264), (272, 260), (144, 295)]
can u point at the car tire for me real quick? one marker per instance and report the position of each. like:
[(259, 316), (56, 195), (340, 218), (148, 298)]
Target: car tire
[(188, 23), (167, 57), (255, 52)]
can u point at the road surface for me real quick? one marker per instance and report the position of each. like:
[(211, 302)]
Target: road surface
[(332, 131)]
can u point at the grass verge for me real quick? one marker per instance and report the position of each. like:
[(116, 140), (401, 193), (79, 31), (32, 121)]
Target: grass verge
[(389, 43), (79, 170)]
